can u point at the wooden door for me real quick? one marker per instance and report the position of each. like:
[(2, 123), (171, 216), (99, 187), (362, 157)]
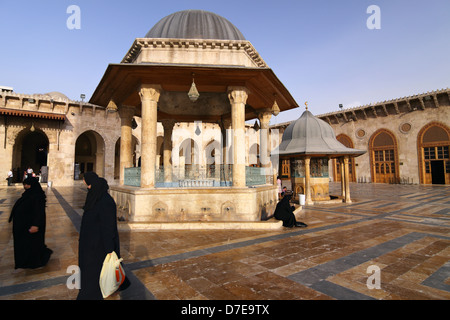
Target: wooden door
[(437, 165), (384, 165), (434, 158), (383, 157)]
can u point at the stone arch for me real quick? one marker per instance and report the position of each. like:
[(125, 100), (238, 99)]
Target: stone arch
[(383, 153), (228, 210), (160, 212), (136, 155), (213, 156), (89, 154), (160, 150), (190, 151), (318, 192), (348, 142), (31, 147), (253, 155), (433, 144), (212, 151)]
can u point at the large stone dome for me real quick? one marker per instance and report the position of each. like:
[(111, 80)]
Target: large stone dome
[(57, 95), (195, 24), (309, 135)]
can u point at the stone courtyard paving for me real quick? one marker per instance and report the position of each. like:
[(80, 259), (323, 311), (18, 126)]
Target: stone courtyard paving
[(403, 231)]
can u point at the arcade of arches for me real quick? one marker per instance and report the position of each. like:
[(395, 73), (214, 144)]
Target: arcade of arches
[(433, 144), (411, 146)]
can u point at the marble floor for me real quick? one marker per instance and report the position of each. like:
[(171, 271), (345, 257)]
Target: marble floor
[(391, 243)]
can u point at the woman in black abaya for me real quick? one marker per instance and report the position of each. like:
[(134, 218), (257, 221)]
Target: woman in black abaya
[(284, 211), (29, 222), (98, 236)]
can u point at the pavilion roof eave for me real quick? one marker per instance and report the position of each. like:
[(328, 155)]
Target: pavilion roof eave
[(120, 82), (355, 153)]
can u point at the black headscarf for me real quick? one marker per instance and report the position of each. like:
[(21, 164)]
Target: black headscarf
[(35, 190), (98, 187), (35, 187)]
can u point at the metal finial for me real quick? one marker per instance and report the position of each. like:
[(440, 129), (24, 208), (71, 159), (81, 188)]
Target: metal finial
[(306, 105)]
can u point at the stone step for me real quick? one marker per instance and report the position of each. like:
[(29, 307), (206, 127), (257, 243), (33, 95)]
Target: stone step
[(271, 224)]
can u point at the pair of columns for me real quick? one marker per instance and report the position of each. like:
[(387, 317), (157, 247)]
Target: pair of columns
[(345, 183), (149, 95), (264, 119)]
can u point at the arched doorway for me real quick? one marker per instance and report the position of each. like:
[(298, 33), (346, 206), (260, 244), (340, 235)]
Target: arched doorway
[(136, 158), (384, 157), (89, 154), (253, 156), (212, 153), (160, 151), (30, 150), (346, 141), (433, 148), (189, 152)]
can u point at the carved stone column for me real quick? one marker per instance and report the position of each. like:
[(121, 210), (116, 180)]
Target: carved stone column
[(224, 126), (126, 114), (341, 164), (264, 145), (347, 181), (167, 156), (149, 99), (308, 199), (238, 97)]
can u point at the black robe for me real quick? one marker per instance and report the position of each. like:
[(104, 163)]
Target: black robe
[(98, 237), (30, 250), (284, 211)]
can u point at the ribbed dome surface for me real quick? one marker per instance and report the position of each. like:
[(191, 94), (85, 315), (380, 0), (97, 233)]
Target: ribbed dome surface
[(311, 135), (195, 24), (57, 95)]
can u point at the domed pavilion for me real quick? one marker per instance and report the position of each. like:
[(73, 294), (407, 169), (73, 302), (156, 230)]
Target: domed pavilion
[(306, 147), (192, 65)]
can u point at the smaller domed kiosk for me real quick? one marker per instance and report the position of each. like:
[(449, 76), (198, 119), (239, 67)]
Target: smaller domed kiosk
[(306, 147)]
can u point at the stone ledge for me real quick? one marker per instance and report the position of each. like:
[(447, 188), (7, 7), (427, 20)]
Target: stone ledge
[(270, 224)]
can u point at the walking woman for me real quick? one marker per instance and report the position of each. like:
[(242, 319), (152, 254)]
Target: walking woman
[(29, 222), (98, 236)]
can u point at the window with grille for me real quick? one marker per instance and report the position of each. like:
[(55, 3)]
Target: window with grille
[(436, 153)]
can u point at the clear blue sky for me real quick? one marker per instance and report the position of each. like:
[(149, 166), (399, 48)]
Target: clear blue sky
[(321, 50)]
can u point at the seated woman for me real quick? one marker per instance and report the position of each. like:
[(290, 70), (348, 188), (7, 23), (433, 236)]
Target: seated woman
[(284, 211)]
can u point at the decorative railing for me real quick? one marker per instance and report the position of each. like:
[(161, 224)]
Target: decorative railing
[(318, 168), (194, 176), (254, 176), (132, 177)]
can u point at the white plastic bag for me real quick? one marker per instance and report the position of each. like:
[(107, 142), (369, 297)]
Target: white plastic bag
[(112, 274)]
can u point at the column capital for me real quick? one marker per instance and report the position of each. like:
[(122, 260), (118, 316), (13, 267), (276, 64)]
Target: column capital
[(150, 92), (264, 118), (126, 112), (238, 94), (168, 124), (224, 124)]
